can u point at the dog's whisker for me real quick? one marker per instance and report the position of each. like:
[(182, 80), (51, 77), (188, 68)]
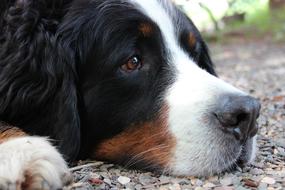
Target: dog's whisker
[(139, 157)]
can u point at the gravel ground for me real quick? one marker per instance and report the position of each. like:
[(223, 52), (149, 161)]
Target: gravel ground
[(256, 67)]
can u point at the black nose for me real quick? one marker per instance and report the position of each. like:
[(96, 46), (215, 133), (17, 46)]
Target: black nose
[(237, 115)]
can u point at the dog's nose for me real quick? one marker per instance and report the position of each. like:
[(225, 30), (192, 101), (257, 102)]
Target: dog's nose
[(237, 115)]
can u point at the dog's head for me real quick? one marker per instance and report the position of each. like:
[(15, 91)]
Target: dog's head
[(135, 74), (151, 98)]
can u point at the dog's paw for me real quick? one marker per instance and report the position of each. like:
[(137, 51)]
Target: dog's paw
[(32, 163)]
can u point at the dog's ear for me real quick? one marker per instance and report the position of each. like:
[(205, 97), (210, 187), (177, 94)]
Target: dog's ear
[(204, 60), (65, 105), (197, 47), (38, 79)]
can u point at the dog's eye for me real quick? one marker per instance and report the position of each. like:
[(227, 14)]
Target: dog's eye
[(134, 63)]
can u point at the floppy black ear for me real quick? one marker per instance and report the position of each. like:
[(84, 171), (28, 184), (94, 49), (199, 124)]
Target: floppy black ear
[(38, 78), (193, 42), (65, 104), (204, 60)]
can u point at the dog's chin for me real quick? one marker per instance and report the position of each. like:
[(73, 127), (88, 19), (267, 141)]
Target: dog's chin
[(227, 156)]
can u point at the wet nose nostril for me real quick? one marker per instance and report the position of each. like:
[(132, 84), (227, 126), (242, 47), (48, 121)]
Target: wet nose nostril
[(242, 117), (228, 119)]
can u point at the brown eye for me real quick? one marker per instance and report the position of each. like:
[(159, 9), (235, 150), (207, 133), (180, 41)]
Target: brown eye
[(134, 63)]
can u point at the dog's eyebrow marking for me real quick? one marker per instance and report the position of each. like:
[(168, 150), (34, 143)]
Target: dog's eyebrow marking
[(146, 29), (192, 40)]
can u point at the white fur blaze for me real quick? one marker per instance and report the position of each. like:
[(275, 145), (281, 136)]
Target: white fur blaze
[(202, 148), (32, 163)]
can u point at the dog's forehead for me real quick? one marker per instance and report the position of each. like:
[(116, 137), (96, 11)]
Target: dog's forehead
[(166, 16), (161, 12)]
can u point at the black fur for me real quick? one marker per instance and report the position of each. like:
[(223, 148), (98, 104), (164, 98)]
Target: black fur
[(59, 69), (38, 90)]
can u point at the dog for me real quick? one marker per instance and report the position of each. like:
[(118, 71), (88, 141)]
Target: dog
[(125, 81)]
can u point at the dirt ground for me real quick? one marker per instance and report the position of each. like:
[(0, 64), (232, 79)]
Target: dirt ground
[(259, 69)]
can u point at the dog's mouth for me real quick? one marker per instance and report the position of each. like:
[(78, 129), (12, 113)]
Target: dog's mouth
[(246, 156)]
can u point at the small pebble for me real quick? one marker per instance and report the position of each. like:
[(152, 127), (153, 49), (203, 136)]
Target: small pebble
[(258, 164), (175, 186), (146, 179), (262, 186), (225, 188), (199, 182), (250, 183), (164, 179), (108, 181), (199, 188), (241, 188), (280, 143), (138, 186), (124, 180), (268, 180), (213, 179), (209, 185), (226, 181), (256, 171)]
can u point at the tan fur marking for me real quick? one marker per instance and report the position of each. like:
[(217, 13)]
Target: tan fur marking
[(146, 29), (7, 132), (150, 142), (191, 40)]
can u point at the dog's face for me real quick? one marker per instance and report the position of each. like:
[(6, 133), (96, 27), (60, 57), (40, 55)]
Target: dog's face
[(151, 97)]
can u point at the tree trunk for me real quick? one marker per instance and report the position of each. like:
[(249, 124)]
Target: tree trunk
[(276, 4)]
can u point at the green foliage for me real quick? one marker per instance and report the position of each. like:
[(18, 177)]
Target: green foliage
[(241, 6), (262, 21)]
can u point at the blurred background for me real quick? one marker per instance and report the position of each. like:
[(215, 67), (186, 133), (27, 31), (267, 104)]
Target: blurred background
[(254, 19)]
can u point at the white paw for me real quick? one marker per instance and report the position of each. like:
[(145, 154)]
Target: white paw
[(32, 163)]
